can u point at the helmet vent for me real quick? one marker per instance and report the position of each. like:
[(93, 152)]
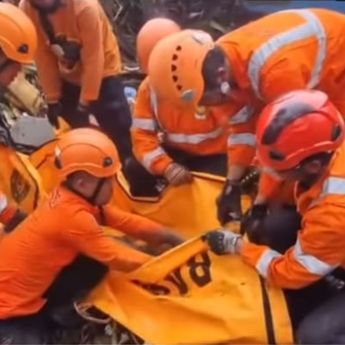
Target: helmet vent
[(23, 48), (178, 48), (107, 162), (336, 132), (175, 57), (277, 156)]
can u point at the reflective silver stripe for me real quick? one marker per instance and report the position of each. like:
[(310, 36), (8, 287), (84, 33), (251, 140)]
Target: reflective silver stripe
[(312, 27), (242, 116), (332, 185), (3, 203), (193, 139), (263, 264), (154, 102), (242, 139), (150, 157), (311, 263), (145, 124)]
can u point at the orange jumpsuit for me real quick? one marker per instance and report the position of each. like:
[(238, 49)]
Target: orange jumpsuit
[(158, 124), (51, 238), (281, 52), (321, 241), (85, 24)]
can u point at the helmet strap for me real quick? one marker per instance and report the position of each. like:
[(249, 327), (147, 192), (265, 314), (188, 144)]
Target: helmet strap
[(93, 197)]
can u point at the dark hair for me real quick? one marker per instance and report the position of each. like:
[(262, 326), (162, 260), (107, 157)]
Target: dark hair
[(214, 59)]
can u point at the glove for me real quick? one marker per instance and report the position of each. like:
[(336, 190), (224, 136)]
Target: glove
[(252, 223), (229, 203), (54, 111), (17, 218), (222, 242), (82, 116), (172, 238), (177, 174)]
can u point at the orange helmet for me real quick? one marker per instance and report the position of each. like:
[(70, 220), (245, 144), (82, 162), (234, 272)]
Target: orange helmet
[(89, 150), (149, 35), (175, 66), (18, 38), (296, 126)]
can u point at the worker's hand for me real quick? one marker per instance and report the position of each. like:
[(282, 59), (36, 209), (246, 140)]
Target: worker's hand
[(222, 242), (82, 117), (177, 174), (252, 223), (54, 111), (17, 218), (229, 203), (163, 241)]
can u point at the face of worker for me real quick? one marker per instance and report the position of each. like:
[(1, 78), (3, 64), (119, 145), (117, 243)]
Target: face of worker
[(87, 185), (217, 87), (307, 172)]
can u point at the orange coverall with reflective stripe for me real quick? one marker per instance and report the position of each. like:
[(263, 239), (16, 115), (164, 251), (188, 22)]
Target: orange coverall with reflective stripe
[(321, 241), (156, 124), (281, 52)]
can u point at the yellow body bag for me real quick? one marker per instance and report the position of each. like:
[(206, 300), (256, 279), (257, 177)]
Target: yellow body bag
[(202, 298)]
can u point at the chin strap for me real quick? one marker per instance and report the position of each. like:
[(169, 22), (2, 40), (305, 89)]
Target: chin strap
[(93, 197)]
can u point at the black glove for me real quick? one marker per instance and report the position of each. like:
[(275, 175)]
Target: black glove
[(17, 218), (252, 223), (54, 111), (229, 203), (221, 241), (82, 115)]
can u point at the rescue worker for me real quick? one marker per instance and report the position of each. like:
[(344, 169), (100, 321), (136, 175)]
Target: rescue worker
[(18, 42), (300, 136), (79, 63), (63, 229), (171, 141), (258, 62)]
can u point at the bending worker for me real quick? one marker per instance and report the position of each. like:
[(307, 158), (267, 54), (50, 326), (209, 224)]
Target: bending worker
[(65, 230), (170, 140), (78, 62), (300, 136), (18, 42), (254, 64)]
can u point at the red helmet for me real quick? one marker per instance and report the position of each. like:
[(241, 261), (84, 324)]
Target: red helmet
[(296, 126)]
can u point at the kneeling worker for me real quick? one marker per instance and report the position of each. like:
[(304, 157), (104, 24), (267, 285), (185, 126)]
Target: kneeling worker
[(65, 228), (300, 136)]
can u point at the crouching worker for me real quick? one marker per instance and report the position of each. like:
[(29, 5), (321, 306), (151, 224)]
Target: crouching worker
[(37, 260), (300, 136), (171, 140)]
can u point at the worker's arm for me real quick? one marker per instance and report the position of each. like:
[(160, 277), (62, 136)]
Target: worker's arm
[(241, 142), (318, 251), (88, 237), (144, 131), (46, 61), (140, 227), (92, 52)]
